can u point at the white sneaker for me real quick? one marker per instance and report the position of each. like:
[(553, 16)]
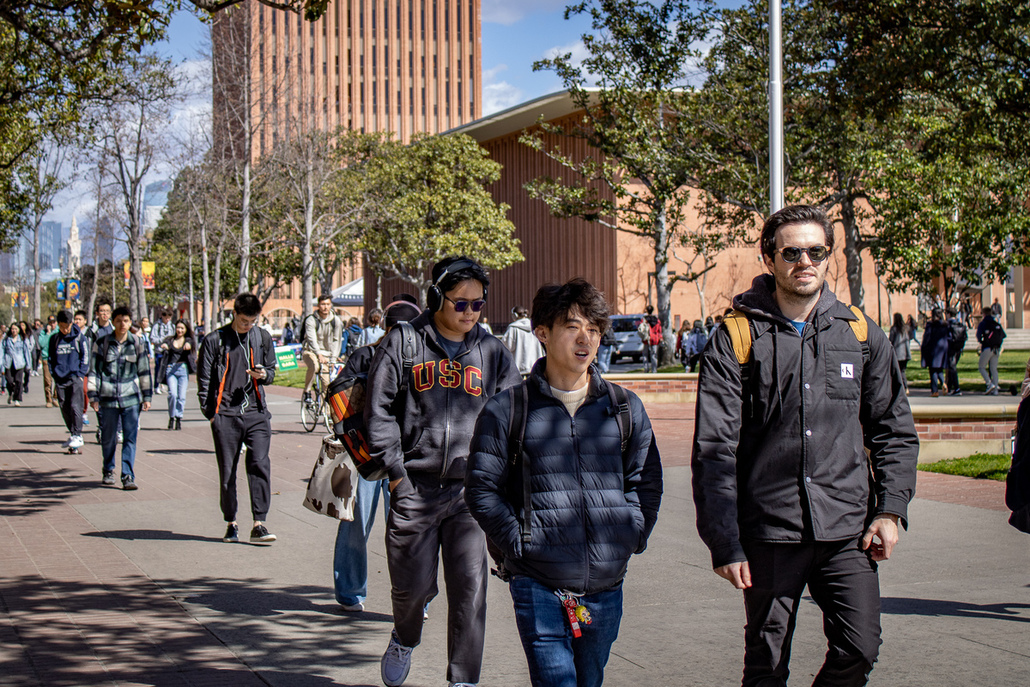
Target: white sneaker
[(353, 608), (67, 443), (76, 442), (120, 437), (396, 662), (462, 684)]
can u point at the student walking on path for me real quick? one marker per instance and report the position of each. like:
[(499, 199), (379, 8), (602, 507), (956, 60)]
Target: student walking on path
[(578, 440), (67, 358), (787, 496), (119, 388), (178, 362), (350, 554), (15, 356), (235, 362), (420, 420)]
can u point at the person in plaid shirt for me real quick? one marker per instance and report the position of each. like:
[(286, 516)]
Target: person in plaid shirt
[(118, 388)]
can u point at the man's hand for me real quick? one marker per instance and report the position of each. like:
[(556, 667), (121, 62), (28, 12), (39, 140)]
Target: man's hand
[(885, 529), (95, 405), (322, 360), (257, 374), (739, 574), (146, 406)]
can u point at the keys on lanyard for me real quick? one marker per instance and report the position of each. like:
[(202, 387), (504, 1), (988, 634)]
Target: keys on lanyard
[(575, 612)]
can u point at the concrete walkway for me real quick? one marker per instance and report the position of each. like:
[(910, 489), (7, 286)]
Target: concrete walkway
[(104, 587)]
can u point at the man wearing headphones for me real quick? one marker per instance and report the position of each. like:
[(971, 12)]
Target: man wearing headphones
[(420, 421)]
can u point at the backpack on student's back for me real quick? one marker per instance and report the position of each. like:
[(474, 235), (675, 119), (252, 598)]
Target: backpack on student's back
[(304, 327), (958, 335), (655, 333), (995, 336), (644, 330), (346, 398)]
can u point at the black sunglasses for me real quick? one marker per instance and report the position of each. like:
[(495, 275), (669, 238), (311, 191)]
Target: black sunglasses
[(791, 254), (461, 304)]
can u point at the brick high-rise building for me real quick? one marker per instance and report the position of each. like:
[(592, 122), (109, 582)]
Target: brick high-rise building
[(403, 66)]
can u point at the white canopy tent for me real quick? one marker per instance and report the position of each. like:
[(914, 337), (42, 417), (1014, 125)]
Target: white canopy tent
[(350, 295)]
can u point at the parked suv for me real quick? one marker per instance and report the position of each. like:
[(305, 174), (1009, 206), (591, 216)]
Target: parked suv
[(628, 343)]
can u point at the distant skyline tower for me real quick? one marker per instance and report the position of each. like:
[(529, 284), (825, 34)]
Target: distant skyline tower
[(74, 249), (403, 66)]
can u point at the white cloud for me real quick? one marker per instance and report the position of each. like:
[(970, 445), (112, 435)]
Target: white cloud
[(500, 96), (577, 50), (508, 12)]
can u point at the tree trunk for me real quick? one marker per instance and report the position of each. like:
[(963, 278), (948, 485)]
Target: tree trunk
[(216, 315), (36, 283), (192, 317), (852, 252), (307, 263), (244, 281), (205, 266), (663, 288)]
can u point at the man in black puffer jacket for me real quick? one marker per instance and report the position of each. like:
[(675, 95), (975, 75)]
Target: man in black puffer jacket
[(593, 504), (420, 421)]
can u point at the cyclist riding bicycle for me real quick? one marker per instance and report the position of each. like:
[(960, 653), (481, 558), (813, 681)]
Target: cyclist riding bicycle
[(322, 333)]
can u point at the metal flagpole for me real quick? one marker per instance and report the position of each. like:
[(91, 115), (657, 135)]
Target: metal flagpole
[(775, 107)]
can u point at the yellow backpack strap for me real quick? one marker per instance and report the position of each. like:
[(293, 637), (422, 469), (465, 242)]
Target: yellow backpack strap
[(737, 325), (859, 326)]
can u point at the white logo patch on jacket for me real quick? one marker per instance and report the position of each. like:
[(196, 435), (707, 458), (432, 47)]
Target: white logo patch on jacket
[(847, 371)]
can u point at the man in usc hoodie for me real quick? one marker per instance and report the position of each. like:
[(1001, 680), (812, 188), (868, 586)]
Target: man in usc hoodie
[(420, 423)]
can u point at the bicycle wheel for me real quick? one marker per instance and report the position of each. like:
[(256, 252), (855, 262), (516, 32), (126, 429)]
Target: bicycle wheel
[(327, 419), (310, 409)]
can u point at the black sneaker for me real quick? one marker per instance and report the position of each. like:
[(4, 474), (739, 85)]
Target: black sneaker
[(261, 535), (108, 479), (128, 484), (232, 533)]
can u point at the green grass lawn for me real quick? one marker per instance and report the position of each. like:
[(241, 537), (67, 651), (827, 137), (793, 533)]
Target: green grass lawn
[(294, 378), (1011, 370), (980, 465)]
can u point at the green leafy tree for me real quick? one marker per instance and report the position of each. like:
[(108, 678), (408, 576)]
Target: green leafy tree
[(973, 54), (633, 91), (946, 217), (431, 202)]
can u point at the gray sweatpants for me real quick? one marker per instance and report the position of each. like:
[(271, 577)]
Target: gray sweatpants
[(424, 522)]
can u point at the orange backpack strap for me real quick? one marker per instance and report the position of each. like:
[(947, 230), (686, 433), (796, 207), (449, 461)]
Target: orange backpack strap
[(739, 327)]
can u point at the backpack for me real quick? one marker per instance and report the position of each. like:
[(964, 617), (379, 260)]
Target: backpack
[(958, 335), (739, 327), (655, 334), (994, 336), (303, 328), (516, 440), (346, 397)]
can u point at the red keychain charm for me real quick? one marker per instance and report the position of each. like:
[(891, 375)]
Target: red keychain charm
[(569, 602)]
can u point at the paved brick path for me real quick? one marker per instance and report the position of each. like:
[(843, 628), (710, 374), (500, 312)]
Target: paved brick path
[(77, 610)]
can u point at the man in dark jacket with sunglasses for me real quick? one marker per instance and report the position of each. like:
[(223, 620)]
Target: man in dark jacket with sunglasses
[(786, 494), (420, 421)]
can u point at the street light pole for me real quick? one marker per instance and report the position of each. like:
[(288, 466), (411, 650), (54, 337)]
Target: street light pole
[(775, 107)]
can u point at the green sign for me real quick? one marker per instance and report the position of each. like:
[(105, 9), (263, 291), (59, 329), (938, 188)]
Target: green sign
[(285, 358)]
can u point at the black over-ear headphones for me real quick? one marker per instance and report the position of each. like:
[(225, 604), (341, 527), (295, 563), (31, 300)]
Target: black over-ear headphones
[(434, 296)]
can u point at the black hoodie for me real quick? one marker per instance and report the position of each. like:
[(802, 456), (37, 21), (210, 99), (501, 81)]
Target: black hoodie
[(426, 429), (785, 461)]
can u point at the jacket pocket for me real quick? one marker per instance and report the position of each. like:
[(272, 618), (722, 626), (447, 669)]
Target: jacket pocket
[(843, 373)]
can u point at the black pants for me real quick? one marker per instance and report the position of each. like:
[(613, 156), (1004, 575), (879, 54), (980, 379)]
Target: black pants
[(842, 580), (69, 398), (15, 383), (230, 433), (429, 521), (953, 359)]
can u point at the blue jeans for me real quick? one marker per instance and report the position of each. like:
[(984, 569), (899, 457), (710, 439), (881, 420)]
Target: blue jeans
[(556, 658), (177, 378), (350, 559), (604, 358), (936, 379), (109, 419)]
